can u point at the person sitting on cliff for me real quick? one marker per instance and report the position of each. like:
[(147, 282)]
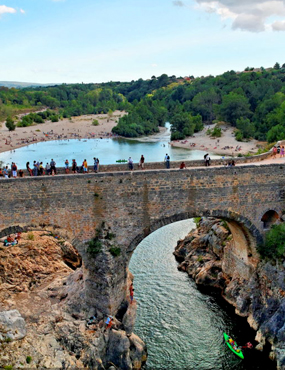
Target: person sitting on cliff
[(109, 322)]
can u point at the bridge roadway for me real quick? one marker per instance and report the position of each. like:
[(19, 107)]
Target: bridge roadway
[(126, 206)]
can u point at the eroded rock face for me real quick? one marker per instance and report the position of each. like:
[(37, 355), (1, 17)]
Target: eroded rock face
[(12, 326), (255, 289), (43, 311)]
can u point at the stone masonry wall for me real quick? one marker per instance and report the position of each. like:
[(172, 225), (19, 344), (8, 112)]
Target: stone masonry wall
[(133, 204)]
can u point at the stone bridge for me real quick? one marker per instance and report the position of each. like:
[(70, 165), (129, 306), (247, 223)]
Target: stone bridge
[(118, 209)]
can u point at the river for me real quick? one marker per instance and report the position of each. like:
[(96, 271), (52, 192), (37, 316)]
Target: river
[(108, 151), (183, 327)]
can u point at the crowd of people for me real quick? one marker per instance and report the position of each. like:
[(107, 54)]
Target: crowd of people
[(39, 169)]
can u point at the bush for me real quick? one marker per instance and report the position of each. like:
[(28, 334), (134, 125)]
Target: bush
[(197, 220), (28, 359), (215, 132), (110, 236), (31, 236), (115, 251), (54, 118), (239, 135), (10, 124), (95, 122), (94, 246), (274, 246)]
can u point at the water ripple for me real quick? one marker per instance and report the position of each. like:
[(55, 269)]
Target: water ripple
[(182, 327)]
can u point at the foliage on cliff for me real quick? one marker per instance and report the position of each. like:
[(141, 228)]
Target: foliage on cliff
[(274, 246)]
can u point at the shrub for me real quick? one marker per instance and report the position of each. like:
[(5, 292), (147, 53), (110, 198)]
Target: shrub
[(274, 246), (95, 122), (10, 124), (215, 132), (31, 236), (94, 246), (115, 251), (110, 236), (239, 135), (197, 220), (28, 359)]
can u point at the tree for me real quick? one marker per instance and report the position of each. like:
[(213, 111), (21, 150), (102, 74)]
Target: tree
[(10, 124), (276, 65), (233, 107), (246, 127), (276, 133), (203, 103)]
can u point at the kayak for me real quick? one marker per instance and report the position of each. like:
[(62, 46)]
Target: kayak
[(236, 349)]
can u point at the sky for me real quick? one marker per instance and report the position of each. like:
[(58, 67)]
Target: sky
[(74, 41)]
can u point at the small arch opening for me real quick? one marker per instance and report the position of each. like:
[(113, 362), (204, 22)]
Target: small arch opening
[(269, 218)]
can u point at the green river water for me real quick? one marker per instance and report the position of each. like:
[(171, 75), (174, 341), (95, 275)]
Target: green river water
[(183, 327)]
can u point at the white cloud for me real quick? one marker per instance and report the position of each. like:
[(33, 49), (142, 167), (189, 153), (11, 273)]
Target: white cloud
[(22, 11), (5, 9), (278, 26), (248, 15)]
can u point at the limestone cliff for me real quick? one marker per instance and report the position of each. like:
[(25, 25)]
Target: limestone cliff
[(206, 254), (43, 322)]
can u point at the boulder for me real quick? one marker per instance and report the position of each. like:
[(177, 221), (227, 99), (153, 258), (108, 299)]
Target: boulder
[(138, 352), (118, 350), (12, 326)]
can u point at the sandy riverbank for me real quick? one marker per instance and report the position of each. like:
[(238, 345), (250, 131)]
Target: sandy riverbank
[(77, 128), (225, 145)]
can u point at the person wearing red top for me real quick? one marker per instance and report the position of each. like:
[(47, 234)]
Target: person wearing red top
[(131, 292)]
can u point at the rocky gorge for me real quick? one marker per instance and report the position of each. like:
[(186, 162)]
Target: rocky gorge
[(44, 322), (255, 287)]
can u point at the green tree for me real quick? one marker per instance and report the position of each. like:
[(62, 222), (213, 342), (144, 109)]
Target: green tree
[(10, 124), (276, 133), (203, 103), (276, 65), (246, 127), (233, 107)]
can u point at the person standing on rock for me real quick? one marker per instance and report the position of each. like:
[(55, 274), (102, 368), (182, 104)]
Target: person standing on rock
[(131, 292)]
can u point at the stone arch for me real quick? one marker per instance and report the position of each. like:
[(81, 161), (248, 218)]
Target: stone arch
[(242, 251), (270, 218), (251, 232)]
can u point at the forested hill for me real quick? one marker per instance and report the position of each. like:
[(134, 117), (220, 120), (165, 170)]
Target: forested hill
[(251, 101)]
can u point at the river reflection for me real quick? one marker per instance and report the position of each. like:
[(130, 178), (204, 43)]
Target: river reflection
[(182, 327)]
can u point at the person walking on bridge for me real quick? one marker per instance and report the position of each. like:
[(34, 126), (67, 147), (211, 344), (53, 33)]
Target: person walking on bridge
[(130, 163), (141, 164), (167, 161)]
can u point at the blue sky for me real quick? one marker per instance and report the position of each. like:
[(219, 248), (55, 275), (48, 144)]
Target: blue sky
[(56, 41)]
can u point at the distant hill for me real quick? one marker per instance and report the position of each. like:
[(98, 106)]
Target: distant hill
[(22, 84)]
